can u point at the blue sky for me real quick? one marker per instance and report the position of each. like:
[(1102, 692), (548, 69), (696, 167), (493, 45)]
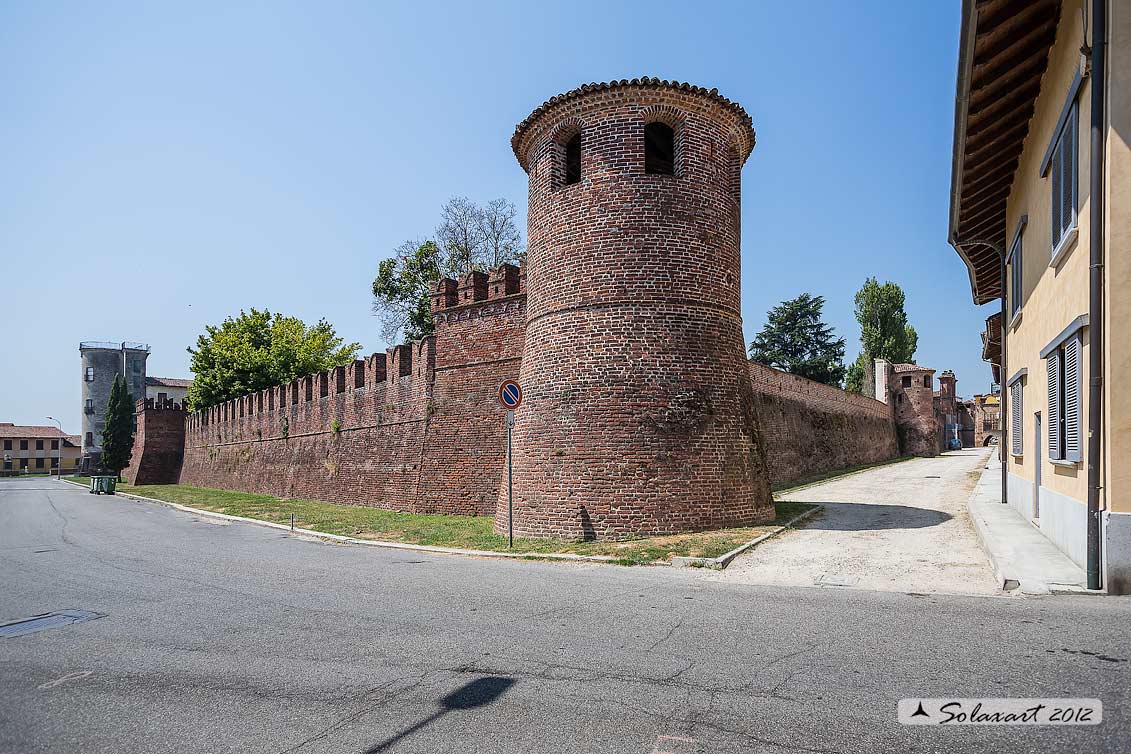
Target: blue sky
[(166, 165)]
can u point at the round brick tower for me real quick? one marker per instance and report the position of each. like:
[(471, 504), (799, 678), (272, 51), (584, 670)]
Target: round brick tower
[(639, 414)]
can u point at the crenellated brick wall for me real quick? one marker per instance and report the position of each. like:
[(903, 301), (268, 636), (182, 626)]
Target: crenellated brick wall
[(809, 428), (419, 429), (159, 443), (414, 429)]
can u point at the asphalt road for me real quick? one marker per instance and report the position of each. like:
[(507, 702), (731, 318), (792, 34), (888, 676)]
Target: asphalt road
[(236, 638)]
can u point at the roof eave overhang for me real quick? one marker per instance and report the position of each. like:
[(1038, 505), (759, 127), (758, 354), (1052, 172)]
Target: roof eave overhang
[(958, 156), (1002, 58)]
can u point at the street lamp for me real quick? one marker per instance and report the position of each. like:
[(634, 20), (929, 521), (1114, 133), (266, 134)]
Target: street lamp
[(52, 418)]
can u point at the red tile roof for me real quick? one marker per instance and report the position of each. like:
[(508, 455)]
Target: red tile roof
[(20, 431), (168, 382), (910, 368)]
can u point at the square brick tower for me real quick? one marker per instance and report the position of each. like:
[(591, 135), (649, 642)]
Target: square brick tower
[(639, 416)]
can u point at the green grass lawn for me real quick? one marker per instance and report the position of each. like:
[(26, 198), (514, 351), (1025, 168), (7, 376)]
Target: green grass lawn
[(450, 531)]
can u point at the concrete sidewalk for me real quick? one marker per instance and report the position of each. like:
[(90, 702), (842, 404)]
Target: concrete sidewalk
[(1021, 556)]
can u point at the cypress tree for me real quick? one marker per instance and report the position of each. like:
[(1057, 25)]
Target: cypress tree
[(118, 434)]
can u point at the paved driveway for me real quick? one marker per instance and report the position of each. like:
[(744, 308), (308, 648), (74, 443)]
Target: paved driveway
[(902, 527)]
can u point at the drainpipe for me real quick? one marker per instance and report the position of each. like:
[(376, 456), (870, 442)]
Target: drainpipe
[(1001, 447), (1096, 289)]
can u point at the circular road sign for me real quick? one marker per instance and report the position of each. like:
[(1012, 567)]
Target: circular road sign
[(510, 395)]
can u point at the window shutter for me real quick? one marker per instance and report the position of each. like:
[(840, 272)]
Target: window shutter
[(1073, 376), (1052, 419), (1056, 181), (1015, 418), (1068, 187)]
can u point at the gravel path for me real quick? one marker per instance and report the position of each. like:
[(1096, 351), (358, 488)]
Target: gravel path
[(902, 527)]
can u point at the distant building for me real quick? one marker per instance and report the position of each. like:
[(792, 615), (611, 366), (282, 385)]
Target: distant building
[(37, 450), (913, 393), (101, 363), (987, 420), (164, 389), (948, 411)]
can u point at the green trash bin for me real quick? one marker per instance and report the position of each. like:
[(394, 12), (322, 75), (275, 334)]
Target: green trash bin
[(103, 485)]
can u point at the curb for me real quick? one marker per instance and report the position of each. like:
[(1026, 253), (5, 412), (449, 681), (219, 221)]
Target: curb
[(367, 542), (724, 560), (1004, 582)]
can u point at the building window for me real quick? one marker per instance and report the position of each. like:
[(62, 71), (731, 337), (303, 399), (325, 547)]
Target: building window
[(23, 444), (573, 159), (1063, 172), (54, 444), (926, 380), (907, 380), (54, 463), (7, 445), (1015, 428), (89, 440), (1016, 272), (137, 366), (161, 398), (89, 376), (659, 149), (7, 465), (76, 461), (39, 463), (39, 444), (1065, 373)]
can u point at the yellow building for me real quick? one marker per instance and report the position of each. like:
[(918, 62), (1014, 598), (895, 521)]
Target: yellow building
[(37, 450), (1041, 214)]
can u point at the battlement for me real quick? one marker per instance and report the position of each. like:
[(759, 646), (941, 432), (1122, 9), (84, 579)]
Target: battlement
[(361, 376), (152, 404), (769, 381), (476, 287)]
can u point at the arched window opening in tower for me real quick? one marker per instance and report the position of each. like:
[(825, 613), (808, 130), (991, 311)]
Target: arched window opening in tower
[(659, 149), (573, 159)]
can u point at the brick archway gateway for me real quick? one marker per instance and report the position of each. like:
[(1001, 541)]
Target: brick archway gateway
[(639, 414)]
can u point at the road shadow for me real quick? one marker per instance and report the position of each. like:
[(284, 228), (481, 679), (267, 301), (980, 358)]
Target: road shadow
[(868, 517), (477, 693)]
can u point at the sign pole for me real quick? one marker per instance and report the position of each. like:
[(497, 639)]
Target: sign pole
[(510, 484), (510, 396)]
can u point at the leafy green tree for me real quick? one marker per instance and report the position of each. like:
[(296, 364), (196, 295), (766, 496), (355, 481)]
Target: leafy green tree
[(795, 340), (118, 434), (469, 237), (402, 291), (257, 350), (884, 330)]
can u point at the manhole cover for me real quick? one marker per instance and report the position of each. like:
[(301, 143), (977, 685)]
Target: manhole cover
[(57, 619)]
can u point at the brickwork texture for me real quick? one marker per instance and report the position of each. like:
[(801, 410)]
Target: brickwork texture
[(159, 443)]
